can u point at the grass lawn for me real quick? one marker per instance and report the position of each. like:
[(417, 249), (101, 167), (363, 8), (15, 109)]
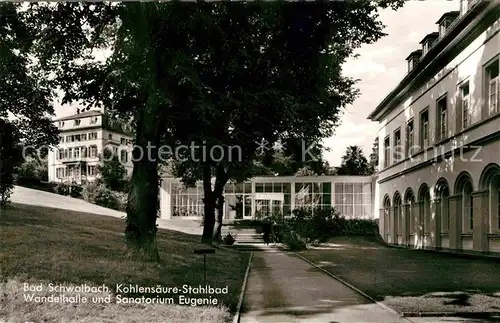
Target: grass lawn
[(43, 245), (410, 280)]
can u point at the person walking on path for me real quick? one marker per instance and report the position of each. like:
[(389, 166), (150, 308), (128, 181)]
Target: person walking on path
[(267, 232)]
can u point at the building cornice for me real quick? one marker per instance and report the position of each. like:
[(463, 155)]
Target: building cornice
[(452, 152), (463, 31)]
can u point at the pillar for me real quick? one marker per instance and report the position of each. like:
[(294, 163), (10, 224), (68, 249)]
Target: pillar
[(417, 232), (381, 224), (404, 224), (253, 200), (392, 226), (435, 223), (455, 230), (480, 213)]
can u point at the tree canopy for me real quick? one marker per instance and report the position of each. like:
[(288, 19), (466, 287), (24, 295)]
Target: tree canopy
[(215, 75), (354, 162)]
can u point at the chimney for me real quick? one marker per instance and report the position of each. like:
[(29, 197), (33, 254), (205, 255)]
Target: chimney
[(413, 59), (428, 42)]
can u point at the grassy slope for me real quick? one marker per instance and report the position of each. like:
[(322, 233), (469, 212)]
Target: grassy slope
[(51, 245)]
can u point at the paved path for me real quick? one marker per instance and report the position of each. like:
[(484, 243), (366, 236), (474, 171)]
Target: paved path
[(284, 288)]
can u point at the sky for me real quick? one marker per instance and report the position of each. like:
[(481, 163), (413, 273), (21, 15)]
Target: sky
[(379, 67)]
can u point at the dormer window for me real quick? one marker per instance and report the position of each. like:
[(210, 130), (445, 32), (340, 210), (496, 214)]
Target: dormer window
[(465, 5), (446, 21), (428, 41), (413, 59)]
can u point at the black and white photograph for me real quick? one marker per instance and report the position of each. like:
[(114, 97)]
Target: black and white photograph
[(250, 161)]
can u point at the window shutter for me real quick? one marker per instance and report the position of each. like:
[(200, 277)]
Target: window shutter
[(459, 111), (493, 96)]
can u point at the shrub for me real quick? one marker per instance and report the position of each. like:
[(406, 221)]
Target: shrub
[(360, 227), (316, 224), (31, 172), (228, 239), (75, 191), (62, 189), (97, 193), (293, 240)]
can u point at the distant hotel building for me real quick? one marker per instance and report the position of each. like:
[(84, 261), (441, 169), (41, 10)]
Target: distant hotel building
[(439, 177), (83, 138)]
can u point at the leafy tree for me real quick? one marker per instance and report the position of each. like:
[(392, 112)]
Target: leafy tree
[(112, 171), (10, 156), (354, 162), (34, 169), (212, 74), (374, 156), (25, 95)]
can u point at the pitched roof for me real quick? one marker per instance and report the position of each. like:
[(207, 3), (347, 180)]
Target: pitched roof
[(450, 14), (81, 115), (433, 35)]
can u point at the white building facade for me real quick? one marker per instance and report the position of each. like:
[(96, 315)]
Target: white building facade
[(352, 196), (438, 183), (83, 138)]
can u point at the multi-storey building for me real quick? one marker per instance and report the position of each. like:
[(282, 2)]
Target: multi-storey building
[(83, 138), (438, 184)]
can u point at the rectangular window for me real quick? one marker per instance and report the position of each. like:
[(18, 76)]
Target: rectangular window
[(397, 145), (92, 135), (61, 139), (77, 152), (123, 141), (110, 136), (84, 136), (78, 138), (93, 120), (84, 152), (70, 152), (387, 151), (77, 122), (91, 170), (424, 129), (409, 138), (60, 172), (493, 88), (442, 118), (465, 102), (123, 156), (93, 151), (60, 152)]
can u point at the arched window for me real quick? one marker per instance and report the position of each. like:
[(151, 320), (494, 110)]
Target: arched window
[(409, 204), (467, 207), (387, 218), (425, 208), (442, 209), (398, 214)]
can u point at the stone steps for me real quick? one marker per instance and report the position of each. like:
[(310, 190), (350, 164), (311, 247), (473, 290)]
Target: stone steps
[(244, 235)]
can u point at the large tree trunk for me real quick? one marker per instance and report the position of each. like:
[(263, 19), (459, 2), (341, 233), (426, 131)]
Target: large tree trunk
[(209, 205), (140, 232), (217, 236), (220, 181)]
